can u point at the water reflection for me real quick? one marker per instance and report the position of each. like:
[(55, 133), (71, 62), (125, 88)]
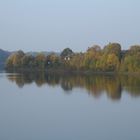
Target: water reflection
[(96, 85)]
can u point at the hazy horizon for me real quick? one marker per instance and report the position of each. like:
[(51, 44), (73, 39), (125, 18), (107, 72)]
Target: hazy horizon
[(33, 25)]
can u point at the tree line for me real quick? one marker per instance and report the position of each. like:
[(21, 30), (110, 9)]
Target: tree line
[(109, 59)]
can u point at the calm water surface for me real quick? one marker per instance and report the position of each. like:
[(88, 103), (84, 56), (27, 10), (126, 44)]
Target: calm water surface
[(42, 106)]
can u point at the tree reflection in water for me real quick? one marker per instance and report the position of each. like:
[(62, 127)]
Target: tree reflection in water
[(96, 85)]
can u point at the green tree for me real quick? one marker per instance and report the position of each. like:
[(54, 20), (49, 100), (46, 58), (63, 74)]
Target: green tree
[(66, 52)]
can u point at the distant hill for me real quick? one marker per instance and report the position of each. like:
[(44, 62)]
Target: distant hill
[(3, 56)]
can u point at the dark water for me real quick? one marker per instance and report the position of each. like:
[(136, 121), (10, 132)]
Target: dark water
[(38, 106)]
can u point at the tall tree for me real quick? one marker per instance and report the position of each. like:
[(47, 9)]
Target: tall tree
[(14, 60), (40, 61), (66, 52)]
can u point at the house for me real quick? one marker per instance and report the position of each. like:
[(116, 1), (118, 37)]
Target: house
[(67, 58)]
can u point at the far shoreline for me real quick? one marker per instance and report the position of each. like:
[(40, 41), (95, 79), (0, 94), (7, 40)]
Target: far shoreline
[(68, 72)]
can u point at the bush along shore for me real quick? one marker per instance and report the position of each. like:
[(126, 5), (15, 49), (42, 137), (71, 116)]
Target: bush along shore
[(110, 59)]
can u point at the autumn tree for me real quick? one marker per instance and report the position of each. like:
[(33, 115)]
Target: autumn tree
[(28, 61), (15, 59), (53, 60), (111, 57), (131, 61), (113, 48), (76, 61), (91, 57), (40, 61)]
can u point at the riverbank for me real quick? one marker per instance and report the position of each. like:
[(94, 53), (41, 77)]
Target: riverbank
[(68, 71)]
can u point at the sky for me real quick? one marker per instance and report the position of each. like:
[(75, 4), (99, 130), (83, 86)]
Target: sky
[(52, 25)]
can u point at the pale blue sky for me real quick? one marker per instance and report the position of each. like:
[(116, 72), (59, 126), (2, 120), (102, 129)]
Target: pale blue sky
[(52, 25)]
